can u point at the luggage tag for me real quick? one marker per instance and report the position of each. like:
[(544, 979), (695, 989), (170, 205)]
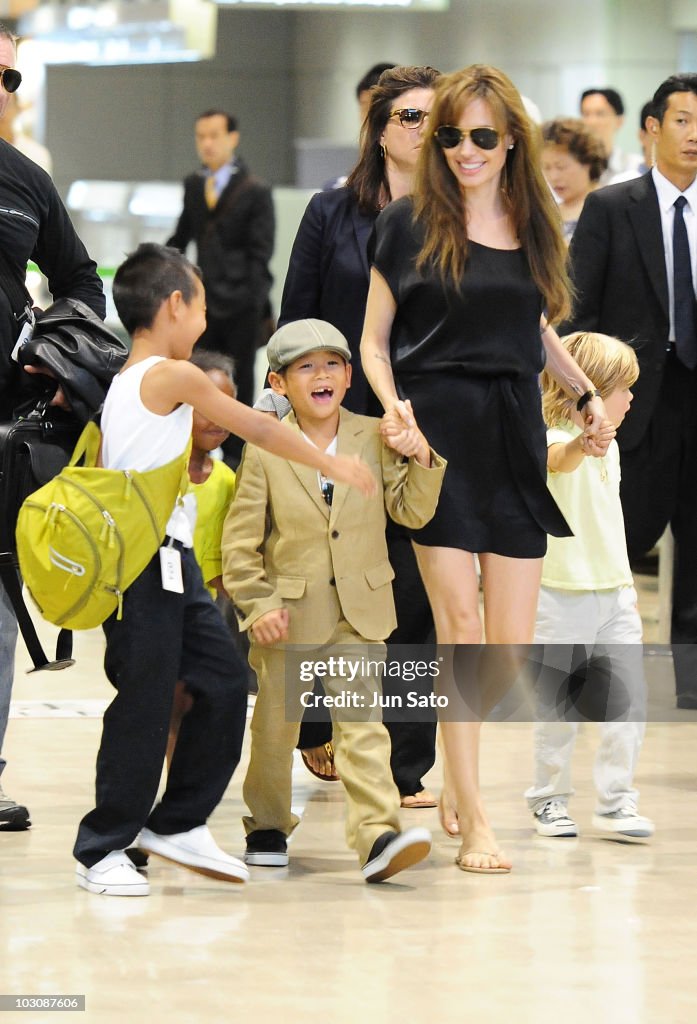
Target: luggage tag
[(25, 334), (171, 569)]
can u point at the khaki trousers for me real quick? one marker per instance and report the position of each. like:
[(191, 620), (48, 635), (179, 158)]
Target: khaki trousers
[(362, 748)]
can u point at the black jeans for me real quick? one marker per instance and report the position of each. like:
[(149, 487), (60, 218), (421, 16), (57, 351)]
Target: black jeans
[(164, 637)]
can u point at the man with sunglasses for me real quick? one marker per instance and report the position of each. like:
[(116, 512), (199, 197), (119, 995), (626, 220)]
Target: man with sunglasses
[(34, 225)]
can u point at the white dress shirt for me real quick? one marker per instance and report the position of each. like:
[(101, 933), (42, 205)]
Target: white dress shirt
[(667, 194)]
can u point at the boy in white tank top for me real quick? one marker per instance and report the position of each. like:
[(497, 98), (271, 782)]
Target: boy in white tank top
[(170, 628)]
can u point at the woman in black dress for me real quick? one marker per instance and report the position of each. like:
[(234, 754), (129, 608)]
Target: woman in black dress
[(455, 332)]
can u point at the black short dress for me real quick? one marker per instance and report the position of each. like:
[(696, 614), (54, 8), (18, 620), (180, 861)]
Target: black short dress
[(469, 359)]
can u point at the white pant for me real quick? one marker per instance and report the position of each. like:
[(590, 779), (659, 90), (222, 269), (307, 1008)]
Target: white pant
[(590, 618)]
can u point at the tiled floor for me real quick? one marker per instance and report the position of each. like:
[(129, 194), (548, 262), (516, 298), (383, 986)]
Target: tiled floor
[(582, 930)]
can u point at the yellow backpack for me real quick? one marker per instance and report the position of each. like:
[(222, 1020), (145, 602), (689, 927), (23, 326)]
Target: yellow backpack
[(85, 536)]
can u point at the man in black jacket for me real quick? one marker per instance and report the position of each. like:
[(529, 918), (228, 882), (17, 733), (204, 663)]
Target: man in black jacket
[(634, 263), (34, 225), (230, 217)]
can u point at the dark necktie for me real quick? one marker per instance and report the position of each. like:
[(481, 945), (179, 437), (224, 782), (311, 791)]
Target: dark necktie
[(683, 291)]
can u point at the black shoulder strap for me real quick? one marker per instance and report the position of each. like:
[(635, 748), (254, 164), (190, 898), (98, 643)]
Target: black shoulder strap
[(64, 644)]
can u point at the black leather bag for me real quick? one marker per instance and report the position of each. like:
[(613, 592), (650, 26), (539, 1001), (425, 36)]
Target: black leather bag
[(81, 356), (32, 451), (80, 352)]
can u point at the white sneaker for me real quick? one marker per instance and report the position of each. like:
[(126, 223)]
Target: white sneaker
[(552, 819), (113, 875), (197, 850), (625, 823)]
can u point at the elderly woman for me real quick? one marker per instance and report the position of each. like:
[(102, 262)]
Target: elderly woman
[(572, 162)]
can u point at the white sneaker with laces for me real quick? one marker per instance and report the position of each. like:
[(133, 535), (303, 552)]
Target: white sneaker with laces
[(552, 819), (197, 850), (113, 875), (624, 823)]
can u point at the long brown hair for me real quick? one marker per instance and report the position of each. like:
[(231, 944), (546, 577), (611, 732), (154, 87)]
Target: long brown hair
[(368, 180), (439, 202)]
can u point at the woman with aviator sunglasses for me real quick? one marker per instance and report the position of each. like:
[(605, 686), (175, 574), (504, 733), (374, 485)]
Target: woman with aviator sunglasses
[(455, 330), (328, 277)]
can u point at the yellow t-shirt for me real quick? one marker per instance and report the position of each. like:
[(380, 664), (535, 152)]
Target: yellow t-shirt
[(213, 499), (595, 558)]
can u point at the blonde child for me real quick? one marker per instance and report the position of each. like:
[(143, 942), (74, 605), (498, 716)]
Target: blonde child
[(588, 602)]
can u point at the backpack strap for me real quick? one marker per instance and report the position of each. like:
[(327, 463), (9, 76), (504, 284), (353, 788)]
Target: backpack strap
[(88, 447), (64, 644)]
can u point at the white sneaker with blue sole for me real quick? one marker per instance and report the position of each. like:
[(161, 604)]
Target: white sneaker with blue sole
[(552, 820), (624, 823)]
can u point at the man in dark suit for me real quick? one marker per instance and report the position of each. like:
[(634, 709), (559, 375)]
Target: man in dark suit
[(634, 259), (230, 217)]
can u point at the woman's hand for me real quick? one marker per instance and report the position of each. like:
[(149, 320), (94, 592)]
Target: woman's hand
[(407, 440), (596, 423), (597, 445), (398, 427)]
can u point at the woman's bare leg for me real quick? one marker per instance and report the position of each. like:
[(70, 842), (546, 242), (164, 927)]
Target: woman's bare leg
[(510, 599), (452, 586), (511, 587)]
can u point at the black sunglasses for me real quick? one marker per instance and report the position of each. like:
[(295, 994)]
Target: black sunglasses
[(410, 117), (10, 79), (448, 136)]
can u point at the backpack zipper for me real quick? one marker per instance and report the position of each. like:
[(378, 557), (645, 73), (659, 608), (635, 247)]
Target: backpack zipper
[(109, 530), (52, 510), (132, 482)]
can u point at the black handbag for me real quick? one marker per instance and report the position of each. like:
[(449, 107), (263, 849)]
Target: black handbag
[(82, 356), (32, 451)]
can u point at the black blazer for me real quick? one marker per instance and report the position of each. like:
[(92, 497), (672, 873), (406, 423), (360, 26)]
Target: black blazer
[(328, 277), (234, 242), (618, 268)]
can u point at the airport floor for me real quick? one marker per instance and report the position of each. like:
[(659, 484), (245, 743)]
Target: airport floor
[(582, 930)]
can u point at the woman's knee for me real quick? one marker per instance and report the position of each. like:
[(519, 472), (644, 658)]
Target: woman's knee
[(457, 623)]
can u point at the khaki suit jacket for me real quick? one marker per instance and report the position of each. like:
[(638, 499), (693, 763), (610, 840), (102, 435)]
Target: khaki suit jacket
[(283, 546)]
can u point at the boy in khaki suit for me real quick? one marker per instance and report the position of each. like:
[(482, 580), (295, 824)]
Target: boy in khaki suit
[(306, 563)]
